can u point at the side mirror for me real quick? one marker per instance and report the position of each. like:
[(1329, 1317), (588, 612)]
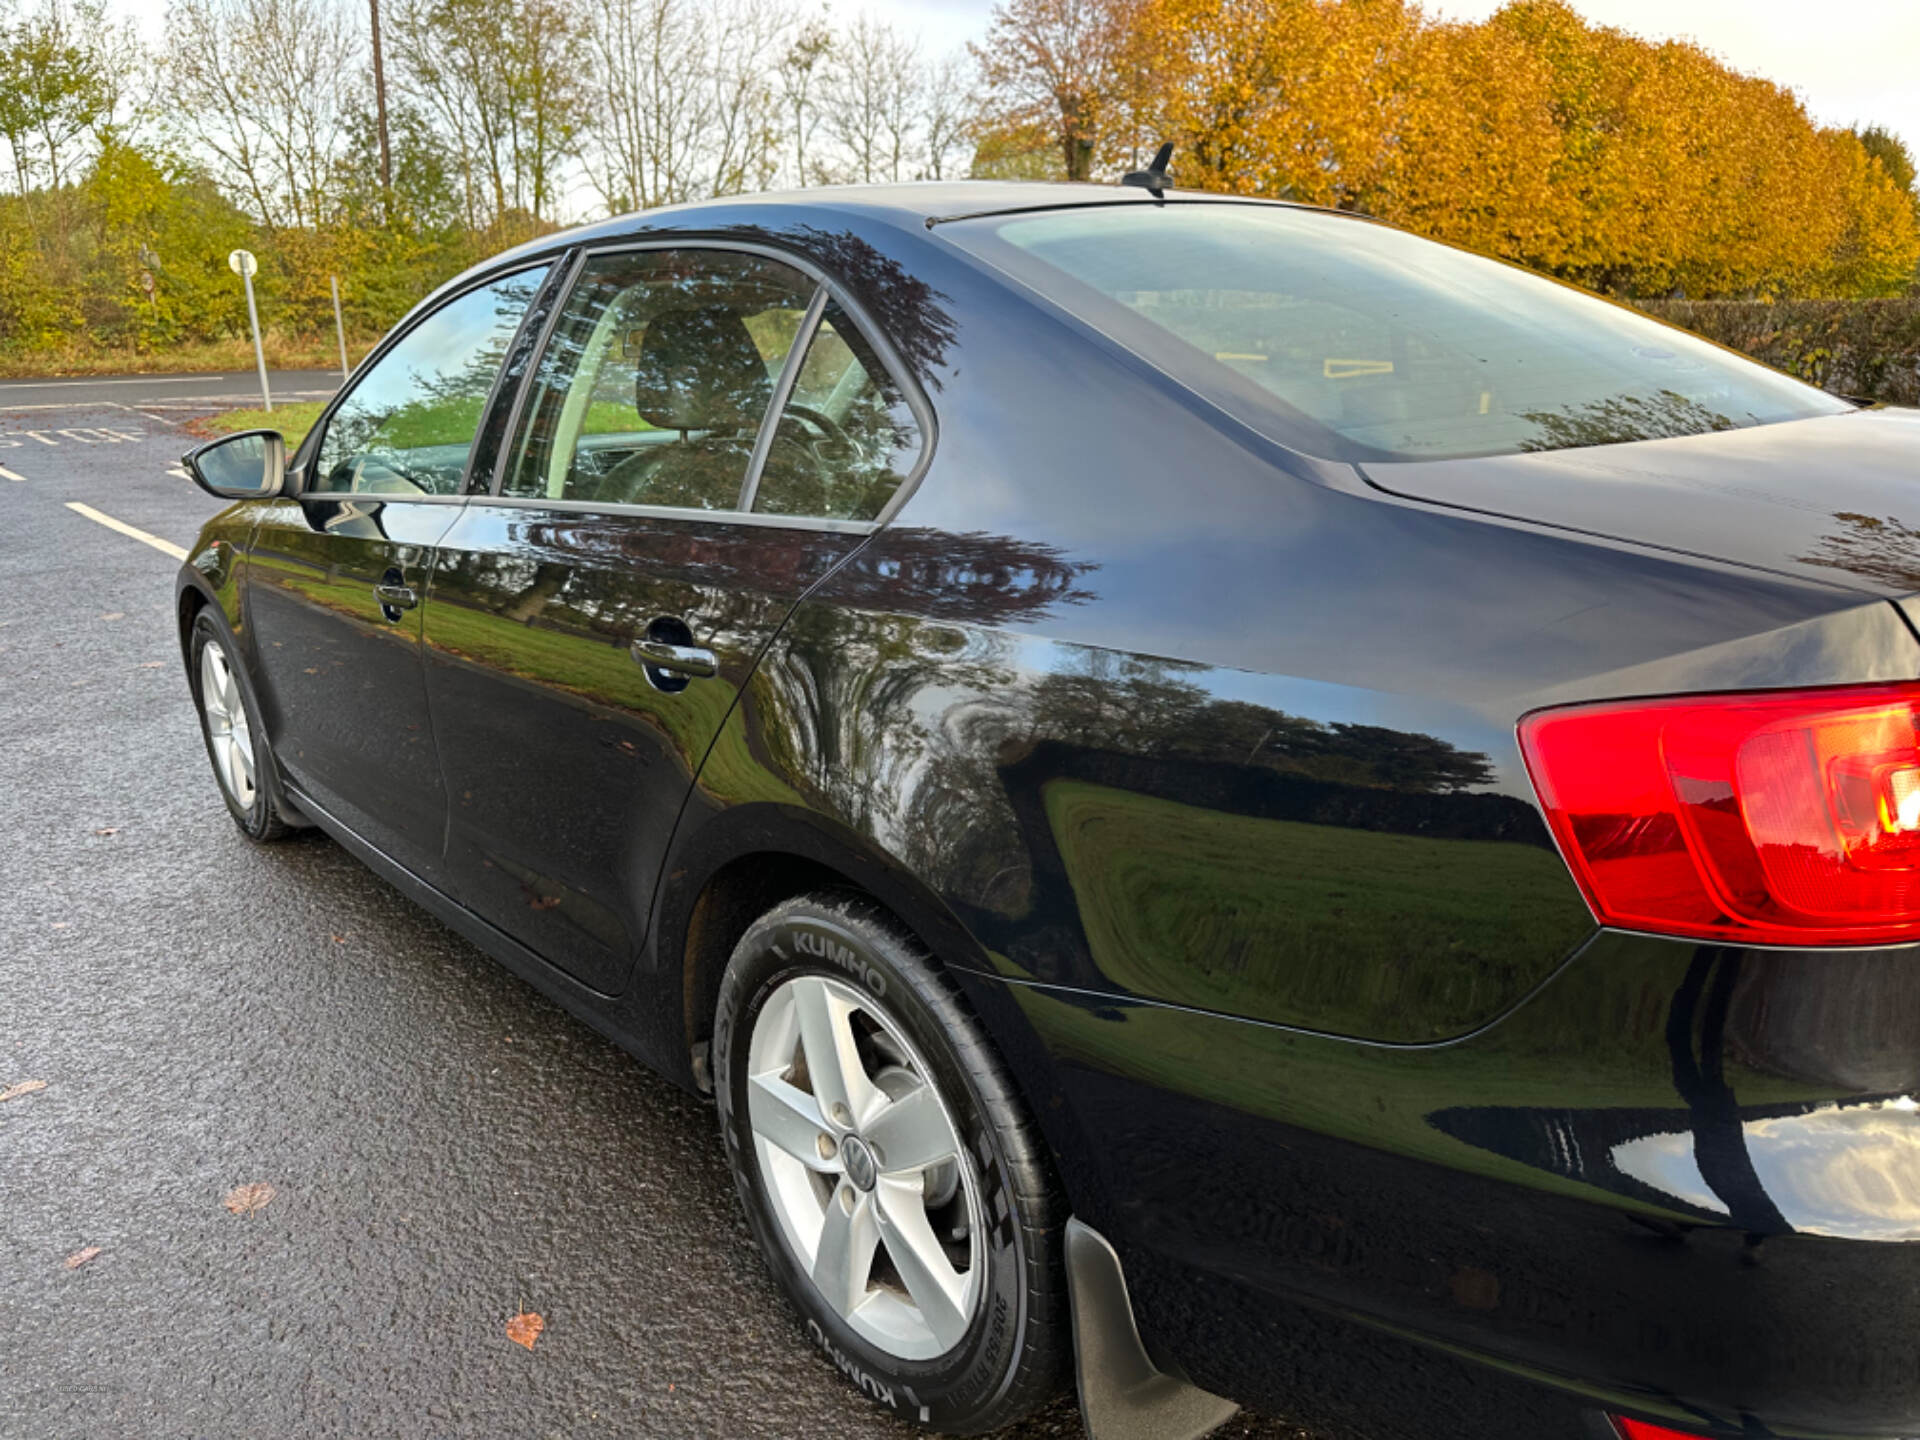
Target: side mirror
[(249, 466)]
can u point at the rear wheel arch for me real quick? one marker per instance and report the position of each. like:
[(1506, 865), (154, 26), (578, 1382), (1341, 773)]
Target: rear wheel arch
[(744, 862)]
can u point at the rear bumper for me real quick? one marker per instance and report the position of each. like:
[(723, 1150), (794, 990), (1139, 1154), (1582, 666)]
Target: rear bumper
[(1678, 1182)]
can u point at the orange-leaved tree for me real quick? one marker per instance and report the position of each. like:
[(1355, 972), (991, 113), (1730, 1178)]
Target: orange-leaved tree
[(1629, 166)]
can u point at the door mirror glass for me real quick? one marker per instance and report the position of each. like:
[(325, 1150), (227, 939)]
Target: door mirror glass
[(249, 466)]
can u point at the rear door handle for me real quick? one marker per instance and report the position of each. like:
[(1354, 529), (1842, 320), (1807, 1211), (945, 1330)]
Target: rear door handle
[(694, 660), (395, 597)]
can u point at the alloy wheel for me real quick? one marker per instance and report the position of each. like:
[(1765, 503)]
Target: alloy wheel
[(228, 735), (864, 1168)]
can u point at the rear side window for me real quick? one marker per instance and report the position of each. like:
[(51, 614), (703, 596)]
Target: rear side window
[(1353, 341), (661, 369), (846, 437), (407, 426)]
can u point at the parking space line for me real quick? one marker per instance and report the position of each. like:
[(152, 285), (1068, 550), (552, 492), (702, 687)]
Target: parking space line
[(6, 474), (165, 547)]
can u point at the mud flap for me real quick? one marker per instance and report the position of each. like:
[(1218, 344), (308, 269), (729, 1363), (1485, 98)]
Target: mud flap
[(1122, 1395)]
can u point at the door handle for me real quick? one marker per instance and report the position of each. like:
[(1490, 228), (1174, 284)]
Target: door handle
[(694, 660), (394, 598)]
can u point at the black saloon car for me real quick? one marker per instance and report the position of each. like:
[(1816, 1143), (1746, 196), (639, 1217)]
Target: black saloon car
[(1223, 797)]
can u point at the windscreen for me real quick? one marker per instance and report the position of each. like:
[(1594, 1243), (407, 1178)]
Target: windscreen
[(1353, 341)]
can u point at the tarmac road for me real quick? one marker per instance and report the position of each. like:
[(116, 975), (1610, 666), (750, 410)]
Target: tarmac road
[(446, 1148)]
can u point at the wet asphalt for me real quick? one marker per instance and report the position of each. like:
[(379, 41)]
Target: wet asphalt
[(446, 1149)]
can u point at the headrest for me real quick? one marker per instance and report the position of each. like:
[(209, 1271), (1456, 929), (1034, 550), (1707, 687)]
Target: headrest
[(700, 370)]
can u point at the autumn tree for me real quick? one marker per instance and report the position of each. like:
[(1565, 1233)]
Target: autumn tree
[(1474, 159), (1893, 156), (1061, 65), (1275, 97), (1627, 166), (67, 70)]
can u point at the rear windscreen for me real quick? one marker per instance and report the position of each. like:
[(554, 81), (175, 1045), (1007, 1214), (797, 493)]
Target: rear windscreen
[(1353, 341)]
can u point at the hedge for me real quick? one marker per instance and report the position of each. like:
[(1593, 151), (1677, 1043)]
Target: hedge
[(1869, 349)]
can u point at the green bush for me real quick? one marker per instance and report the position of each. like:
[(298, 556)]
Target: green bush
[(1867, 349)]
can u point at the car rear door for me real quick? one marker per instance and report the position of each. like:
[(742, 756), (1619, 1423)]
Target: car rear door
[(595, 618), (338, 573)]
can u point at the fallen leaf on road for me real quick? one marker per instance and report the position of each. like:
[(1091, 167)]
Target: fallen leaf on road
[(80, 1257), (24, 1087), (108, 830), (152, 664), (543, 902), (525, 1328), (245, 1199), (114, 615)]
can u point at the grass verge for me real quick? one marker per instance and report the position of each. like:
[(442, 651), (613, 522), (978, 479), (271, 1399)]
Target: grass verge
[(284, 352), (292, 420)]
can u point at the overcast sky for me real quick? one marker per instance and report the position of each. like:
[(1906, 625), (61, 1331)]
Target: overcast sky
[(1850, 60)]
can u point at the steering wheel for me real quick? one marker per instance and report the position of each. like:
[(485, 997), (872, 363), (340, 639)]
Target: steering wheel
[(828, 427), (389, 464)]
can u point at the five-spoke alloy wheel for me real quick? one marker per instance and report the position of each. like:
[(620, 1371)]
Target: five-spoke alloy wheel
[(229, 736), (889, 1171), (863, 1167), (230, 725)]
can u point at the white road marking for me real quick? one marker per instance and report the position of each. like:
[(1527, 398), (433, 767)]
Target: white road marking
[(165, 547), (180, 471), (191, 402), (10, 386), (231, 399), (6, 474), (37, 435)]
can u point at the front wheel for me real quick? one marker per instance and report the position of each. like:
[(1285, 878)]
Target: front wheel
[(889, 1173), (236, 742)]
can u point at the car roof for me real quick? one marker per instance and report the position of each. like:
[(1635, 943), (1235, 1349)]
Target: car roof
[(919, 204), (927, 202)]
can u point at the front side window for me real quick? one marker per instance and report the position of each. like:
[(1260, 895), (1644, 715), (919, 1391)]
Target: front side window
[(846, 437), (660, 370), (406, 427), (1354, 341)]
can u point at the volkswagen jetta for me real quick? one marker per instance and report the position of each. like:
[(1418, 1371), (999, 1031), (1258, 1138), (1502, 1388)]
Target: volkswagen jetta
[(1225, 799)]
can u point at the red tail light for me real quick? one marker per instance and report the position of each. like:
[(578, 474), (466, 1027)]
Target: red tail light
[(1641, 1430), (1777, 818)]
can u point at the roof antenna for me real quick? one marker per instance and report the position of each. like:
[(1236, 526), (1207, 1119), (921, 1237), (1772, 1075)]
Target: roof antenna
[(1153, 179)]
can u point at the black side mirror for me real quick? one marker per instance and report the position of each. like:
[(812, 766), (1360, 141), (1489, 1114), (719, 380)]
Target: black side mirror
[(251, 465)]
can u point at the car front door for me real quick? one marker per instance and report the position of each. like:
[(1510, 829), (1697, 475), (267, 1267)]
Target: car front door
[(338, 574), (595, 618)]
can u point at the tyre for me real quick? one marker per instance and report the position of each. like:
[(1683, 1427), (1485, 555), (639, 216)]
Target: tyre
[(236, 741), (890, 1175)]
